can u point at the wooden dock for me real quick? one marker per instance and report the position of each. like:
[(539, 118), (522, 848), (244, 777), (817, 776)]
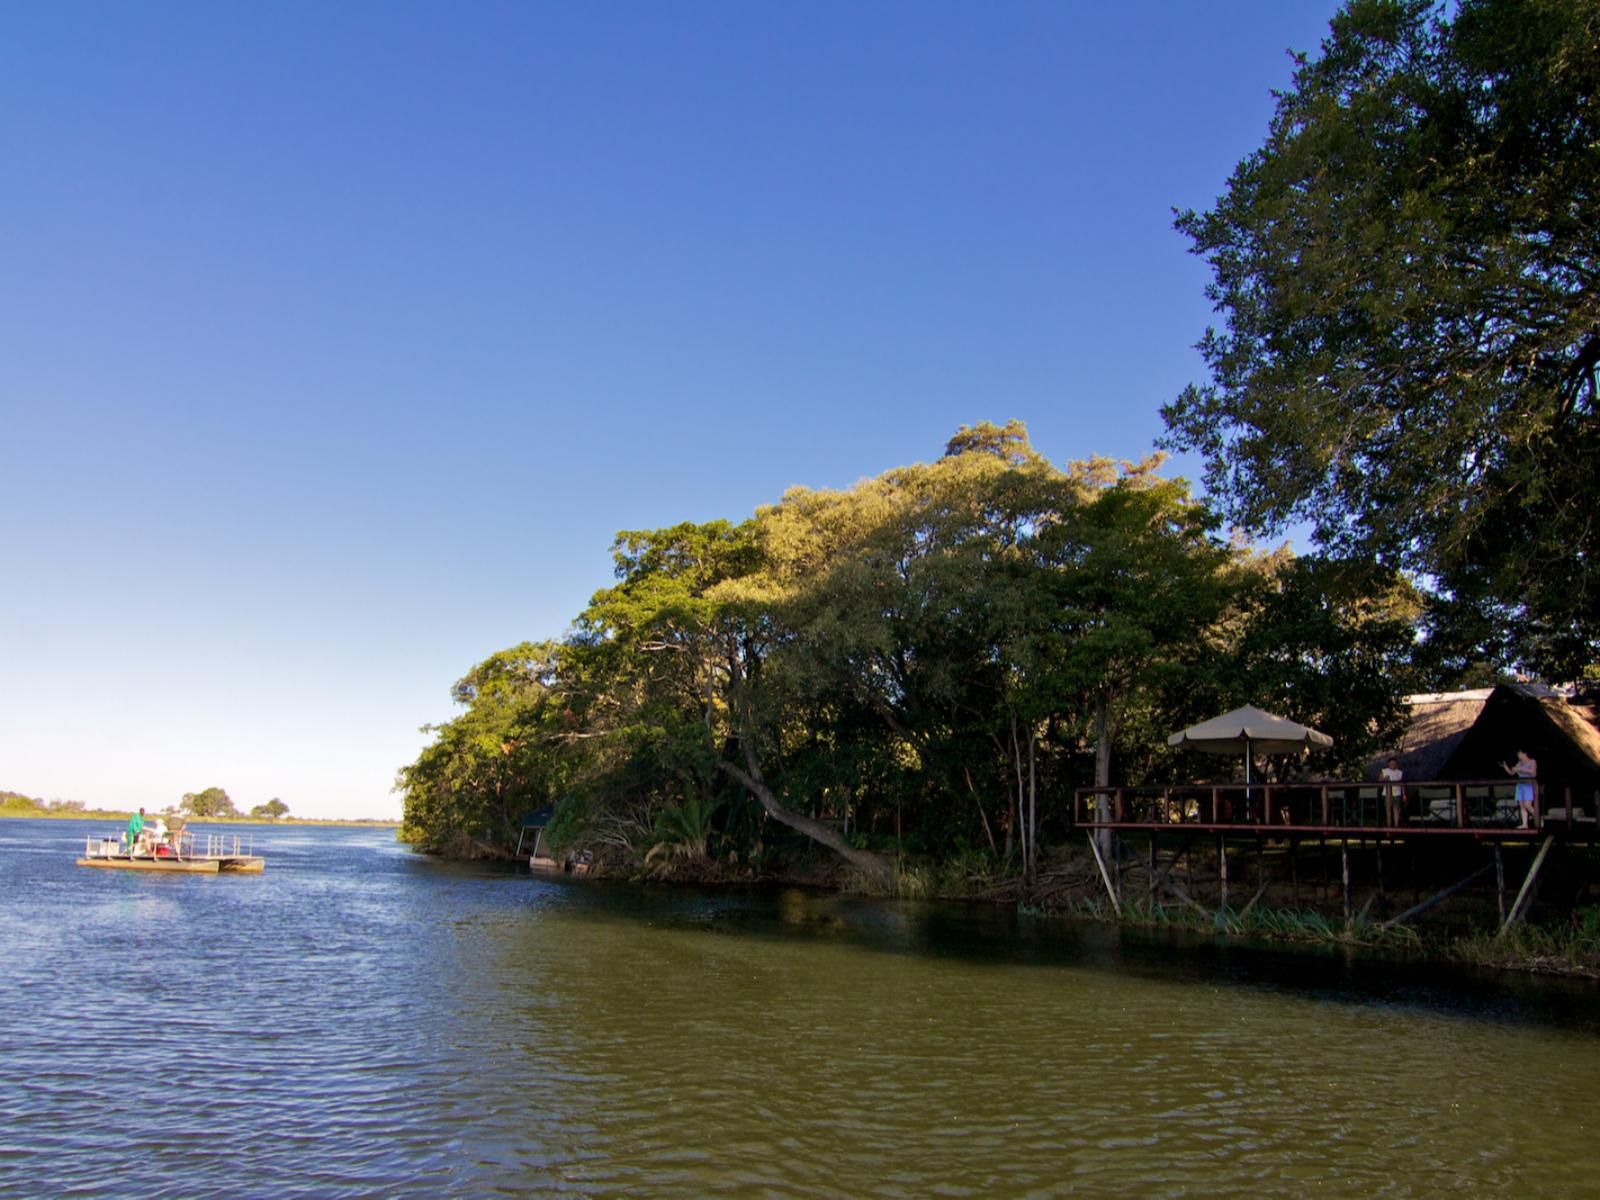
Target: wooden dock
[(1352, 817)]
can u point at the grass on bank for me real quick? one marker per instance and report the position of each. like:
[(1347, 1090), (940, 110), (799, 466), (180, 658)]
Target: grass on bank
[(1561, 945), (1570, 947)]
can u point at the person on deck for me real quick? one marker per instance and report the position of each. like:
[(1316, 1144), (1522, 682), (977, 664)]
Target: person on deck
[(1524, 769), (1394, 796), (135, 828)]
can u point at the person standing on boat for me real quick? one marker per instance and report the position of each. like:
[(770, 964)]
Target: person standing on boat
[(1524, 769), (135, 828)]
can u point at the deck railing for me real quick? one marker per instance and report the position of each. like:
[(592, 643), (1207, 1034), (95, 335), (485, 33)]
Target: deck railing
[(1423, 806)]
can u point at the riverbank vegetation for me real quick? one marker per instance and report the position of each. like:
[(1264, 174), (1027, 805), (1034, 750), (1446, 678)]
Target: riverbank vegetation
[(1335, 895), (15, 804), (917, 669)]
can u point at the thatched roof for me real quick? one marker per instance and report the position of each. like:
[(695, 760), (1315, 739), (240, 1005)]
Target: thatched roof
[(1468, 735), (1439, 722)]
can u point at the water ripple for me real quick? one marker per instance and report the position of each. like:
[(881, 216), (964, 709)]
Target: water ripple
[(359, 1022)]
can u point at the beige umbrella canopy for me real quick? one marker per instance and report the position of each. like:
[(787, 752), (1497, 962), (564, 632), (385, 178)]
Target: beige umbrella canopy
[(1247, 731)]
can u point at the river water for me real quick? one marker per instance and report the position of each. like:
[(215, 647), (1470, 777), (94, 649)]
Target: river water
[(359, 1021)]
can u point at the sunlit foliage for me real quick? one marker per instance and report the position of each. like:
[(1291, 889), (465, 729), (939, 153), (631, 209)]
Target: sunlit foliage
[(926, 663)]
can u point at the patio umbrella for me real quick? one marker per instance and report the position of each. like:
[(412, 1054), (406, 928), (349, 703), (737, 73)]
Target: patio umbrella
[(1248, 730)]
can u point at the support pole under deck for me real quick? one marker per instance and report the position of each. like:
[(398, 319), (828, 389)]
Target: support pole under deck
[(1520, 908), (1500, 882), (1434, 899), (1344, 875), (1104, 874), (1383, 899)]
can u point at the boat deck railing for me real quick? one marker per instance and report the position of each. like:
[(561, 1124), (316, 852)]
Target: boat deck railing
[(1456, 806), (228, 845), (183, 845)]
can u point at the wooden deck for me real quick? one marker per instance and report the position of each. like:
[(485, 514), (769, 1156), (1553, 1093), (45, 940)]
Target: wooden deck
[(193, 866), (1476, 808)]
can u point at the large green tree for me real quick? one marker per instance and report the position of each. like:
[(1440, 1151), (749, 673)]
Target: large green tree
[(500, 758), (1407, 269), (211, 802)]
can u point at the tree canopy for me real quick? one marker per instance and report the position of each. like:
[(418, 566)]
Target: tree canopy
[(1407, 271), (212, 802), (927, 663)]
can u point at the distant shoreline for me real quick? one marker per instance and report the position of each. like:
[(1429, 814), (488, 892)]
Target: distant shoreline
[(112, 815)]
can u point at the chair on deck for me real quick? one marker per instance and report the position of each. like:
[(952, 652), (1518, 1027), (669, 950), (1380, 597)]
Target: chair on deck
[(1489, 804), (1438, 805)]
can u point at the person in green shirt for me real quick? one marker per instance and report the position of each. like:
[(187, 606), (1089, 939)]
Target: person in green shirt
[(135, 827)]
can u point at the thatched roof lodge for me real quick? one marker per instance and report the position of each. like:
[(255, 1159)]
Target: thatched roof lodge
[(1468, 735)]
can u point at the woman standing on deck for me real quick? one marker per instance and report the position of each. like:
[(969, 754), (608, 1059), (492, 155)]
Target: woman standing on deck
[(1524, 769)]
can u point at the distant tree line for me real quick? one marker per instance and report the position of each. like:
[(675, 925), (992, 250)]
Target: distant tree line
[(17, 804), (212, 802), (215, 802)]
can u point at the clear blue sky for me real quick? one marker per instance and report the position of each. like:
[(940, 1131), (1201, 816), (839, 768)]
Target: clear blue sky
[(337, 340)]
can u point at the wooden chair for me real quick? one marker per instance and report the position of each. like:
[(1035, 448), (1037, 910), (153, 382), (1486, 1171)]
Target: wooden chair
[(1438, 805)]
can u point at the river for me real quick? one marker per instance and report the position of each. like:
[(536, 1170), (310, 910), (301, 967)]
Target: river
[(360, 1021)]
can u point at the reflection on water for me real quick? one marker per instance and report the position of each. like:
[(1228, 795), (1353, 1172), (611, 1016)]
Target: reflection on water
[(358, 1021)]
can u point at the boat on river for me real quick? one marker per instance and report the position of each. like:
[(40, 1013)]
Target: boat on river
[(180, 851)]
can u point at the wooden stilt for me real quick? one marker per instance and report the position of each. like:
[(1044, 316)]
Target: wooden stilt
[(1436, 898), (1105, 876), (1383, 899), (1344, 863), (1261, 891), (1519, 908), (1500, 881), (1222, 870), (1294, 872), (1161, 877), (1172, 886)]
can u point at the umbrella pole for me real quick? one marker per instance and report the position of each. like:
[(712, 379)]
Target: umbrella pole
[(1247, 756)]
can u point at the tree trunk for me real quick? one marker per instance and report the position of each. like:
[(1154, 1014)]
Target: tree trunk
[(1033, 807), (875, 866), (982, 816), (1022, 795), (1102, 772)]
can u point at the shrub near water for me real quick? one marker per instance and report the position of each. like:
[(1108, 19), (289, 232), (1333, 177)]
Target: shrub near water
[(1570, 947), (1284, 924)]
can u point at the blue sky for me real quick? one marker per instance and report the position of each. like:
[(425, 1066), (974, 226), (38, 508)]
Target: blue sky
[(336, 341)]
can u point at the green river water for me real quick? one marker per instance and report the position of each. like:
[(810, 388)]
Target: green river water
[(359, 1021)]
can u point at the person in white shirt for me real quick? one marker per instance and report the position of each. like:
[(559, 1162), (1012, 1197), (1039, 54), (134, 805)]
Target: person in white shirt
[(1394, 796)]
